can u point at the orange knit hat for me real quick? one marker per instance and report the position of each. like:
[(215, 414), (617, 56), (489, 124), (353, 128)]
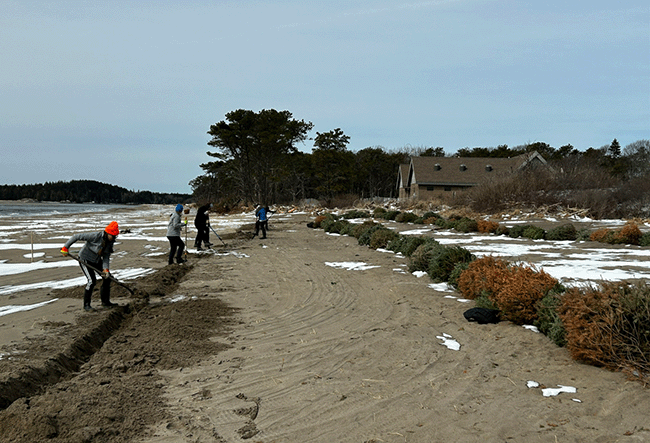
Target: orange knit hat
[(112, 228)]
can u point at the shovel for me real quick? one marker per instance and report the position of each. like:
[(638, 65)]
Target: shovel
[(215, 233), (100, 273)]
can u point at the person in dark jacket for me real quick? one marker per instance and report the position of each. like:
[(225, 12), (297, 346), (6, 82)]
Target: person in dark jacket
[(176, 243), (96, 253), (202, 227)]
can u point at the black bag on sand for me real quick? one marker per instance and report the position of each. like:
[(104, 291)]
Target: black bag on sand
[(482, 316)]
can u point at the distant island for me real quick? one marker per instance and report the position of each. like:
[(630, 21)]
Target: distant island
[(85, 191)]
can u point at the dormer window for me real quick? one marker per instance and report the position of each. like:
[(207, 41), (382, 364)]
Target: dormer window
[(463, 168), (437, 167), (488, 168)]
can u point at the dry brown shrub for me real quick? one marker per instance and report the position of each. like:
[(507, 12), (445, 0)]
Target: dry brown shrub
[(609, 326), (483, 276), (599, 235), (514, 289), (523, 289), (430, 220), (581, 313), (629, 234), (487, 226), (318, 220)]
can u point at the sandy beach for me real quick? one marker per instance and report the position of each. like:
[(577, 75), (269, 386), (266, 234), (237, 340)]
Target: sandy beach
[(301, 337)]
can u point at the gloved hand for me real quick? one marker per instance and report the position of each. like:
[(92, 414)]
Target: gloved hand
[(64, 251), (106, 273)]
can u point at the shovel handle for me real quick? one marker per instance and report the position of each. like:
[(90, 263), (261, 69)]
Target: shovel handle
[(100, 273)]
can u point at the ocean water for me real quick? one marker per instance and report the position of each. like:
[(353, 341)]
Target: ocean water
[(35, 209)]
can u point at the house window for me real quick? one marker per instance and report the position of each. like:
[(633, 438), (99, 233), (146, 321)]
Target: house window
[(447, 188), (429, 188)]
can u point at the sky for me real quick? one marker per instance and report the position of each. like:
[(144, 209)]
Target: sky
[(124, 92)]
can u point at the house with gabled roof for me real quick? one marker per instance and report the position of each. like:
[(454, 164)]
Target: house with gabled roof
[(426, 177)]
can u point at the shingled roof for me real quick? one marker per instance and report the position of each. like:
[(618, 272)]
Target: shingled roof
[(464, 171)]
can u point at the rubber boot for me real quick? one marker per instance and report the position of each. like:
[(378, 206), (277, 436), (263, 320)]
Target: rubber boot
[(87, 296), (105, 294)]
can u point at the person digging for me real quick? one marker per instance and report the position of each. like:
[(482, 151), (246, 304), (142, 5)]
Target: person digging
[(96, 253), (202, 224)]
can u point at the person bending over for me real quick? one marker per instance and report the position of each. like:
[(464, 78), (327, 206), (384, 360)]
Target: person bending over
[(96, 253)]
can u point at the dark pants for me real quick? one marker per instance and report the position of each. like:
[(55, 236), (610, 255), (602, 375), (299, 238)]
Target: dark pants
[(177, 247), (105, 291), (261, 225), (202, 235)]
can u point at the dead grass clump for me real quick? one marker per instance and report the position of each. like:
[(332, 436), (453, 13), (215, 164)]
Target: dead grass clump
[(318, 220), (609, 326), (487, 226)]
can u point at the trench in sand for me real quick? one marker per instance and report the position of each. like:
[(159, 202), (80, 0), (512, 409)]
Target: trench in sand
[(34, 373)]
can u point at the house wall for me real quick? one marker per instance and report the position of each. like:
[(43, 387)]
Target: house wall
[(424, 192)]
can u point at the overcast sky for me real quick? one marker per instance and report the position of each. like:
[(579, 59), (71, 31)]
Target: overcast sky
[(123, 92)]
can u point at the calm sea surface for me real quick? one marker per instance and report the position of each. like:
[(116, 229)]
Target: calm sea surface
[(29, 209)]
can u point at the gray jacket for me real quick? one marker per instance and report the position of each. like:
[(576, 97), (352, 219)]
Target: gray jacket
[(175, 225), (96, 248)]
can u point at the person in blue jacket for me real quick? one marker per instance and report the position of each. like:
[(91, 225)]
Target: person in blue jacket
[(262, 219)]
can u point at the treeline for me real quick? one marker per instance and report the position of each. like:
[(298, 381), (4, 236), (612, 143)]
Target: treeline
[(85, 191), (255, 160)]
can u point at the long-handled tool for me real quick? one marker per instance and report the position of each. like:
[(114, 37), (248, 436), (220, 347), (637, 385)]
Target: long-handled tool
[(215, 233), (100, 273)]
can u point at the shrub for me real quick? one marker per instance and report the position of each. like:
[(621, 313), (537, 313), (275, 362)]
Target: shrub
[(390, 215), (583, 235), (328, 221), (419, 260), (444, 259), (630, 234), (378, 212), (318, 220), (645, 239), (513, 289), (355, 214), (534, 232), (430, 220), (483, 301), (441, 222), (455, 274), (609, 326), (517, 298), (381, 237), (406, 244), (430, 214), (348, 229), (364, 238), (358, 230), (503, 230), (563, 232), (337, 227), (466, 225), (482, 276), (487, 226), (406, 217), (517, 231), (548, 320)]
